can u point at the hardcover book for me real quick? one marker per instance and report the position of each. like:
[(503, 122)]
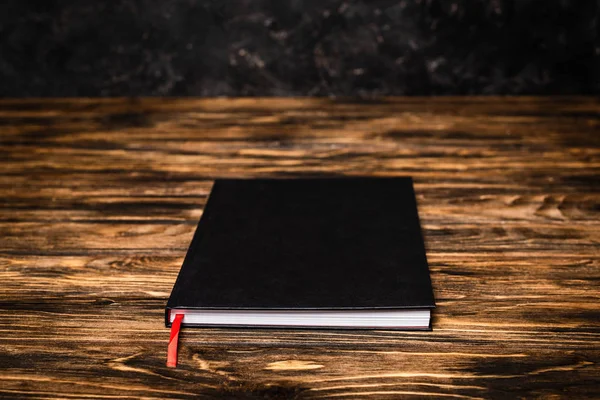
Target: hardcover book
[(306, 253)]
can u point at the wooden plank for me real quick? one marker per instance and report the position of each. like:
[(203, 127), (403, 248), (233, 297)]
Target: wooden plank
[(99, 199)]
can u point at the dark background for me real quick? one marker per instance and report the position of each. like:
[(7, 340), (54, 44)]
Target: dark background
[(298, 47)]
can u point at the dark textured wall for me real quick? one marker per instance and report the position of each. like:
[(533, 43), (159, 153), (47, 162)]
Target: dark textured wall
[(298, 47)]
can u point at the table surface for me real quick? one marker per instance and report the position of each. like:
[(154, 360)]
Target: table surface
[(100, 198)]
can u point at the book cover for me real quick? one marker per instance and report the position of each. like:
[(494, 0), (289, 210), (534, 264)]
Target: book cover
[(318, 252)]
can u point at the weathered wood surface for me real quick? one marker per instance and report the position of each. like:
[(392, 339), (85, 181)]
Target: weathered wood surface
[(99, 200)]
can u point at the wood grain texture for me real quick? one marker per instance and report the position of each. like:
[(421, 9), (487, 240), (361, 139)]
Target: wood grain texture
[(100, 198)]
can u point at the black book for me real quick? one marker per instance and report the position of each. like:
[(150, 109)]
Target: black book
[(323, 253)]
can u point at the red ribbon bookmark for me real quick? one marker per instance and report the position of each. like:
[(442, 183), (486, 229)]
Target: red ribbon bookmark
[(172, 350)]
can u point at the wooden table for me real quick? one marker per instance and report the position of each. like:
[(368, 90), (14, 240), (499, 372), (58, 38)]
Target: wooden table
[(99, 200)]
